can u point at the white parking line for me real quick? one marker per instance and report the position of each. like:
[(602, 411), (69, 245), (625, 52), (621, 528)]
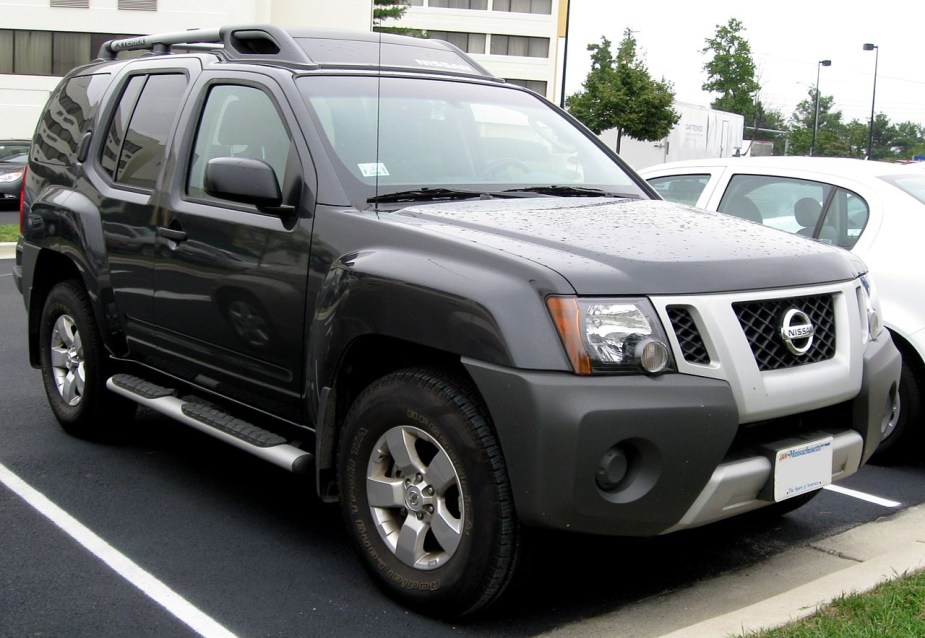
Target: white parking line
[(870, 498), (121, 564)]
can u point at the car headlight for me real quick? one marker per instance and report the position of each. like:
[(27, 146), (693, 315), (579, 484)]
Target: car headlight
[(11, 177), (870, 305), (610, 335)]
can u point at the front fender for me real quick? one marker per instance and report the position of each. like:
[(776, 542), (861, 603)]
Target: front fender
[(458, 306)]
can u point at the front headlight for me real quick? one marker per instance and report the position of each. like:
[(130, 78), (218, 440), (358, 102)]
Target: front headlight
[(870, 304), (610, 335), (11, 176)]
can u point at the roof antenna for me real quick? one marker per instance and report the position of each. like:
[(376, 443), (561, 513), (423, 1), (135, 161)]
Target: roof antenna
[(377, 22)]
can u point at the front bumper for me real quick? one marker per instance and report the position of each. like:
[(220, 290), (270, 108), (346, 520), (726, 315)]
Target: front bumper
[(687, 461)]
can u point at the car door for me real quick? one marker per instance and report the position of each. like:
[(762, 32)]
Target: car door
[(126, 170), (230, 278)]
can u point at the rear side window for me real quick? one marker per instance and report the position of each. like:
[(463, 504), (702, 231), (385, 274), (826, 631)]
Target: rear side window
[(683, 189), (67, 117), (824, 212), (789, 204), (136, 141)]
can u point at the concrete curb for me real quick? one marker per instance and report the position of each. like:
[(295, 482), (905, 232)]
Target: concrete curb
[(7, 250), (775, 592), (879, 551)]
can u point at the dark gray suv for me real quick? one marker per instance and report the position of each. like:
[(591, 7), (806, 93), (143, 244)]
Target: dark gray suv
[(364, 257)]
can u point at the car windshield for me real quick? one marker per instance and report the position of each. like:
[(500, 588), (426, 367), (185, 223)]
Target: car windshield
[(454, 135), (15, 158), (912, 183), (12, 152)]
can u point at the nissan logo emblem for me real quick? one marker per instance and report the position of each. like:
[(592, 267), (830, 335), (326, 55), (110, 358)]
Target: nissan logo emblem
[(797, 331)]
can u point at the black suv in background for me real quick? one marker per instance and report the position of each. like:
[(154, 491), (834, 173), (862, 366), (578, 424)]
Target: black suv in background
[(363, 256)]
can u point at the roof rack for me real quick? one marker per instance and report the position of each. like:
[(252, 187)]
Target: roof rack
[(159, 43), (241, 42), (308, 47)]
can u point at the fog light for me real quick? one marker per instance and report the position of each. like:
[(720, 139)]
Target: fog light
[(612, 469), (653, 356)]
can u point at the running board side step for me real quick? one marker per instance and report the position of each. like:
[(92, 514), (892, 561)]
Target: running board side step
[(221, 425)]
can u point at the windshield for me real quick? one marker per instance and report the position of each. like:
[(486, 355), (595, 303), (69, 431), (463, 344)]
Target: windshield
[(450, 134), (13, 152)]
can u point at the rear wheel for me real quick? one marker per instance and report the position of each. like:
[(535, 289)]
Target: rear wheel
[(74, 365), (425, 494)]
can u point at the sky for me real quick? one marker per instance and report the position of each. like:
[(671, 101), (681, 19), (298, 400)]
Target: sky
[(787, 40)]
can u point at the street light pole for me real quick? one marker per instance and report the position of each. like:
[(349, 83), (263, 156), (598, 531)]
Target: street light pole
[(812, 148), (870, 131)]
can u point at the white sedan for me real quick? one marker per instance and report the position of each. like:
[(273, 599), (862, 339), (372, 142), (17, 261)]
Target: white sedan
[(875, 209)]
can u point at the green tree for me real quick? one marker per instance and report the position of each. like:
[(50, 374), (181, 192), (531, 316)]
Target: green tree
[(731, 71), (831, 134), (908, 140), (768, 125), (856, 139), (619, 93), (392, 11), (882, 142)]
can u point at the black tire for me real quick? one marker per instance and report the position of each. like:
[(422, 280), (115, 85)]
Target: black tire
[(903, 434), (74, 365), (441, 535)]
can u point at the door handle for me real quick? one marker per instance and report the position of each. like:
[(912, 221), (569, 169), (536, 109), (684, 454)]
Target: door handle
[(173, 236)]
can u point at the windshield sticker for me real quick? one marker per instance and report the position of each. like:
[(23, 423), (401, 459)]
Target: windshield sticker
[(373, 169)]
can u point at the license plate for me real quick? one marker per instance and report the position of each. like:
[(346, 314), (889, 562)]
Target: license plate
[(802, 468)]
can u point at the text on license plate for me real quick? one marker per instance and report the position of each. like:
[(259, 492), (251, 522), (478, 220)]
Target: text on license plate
[(802, 468)]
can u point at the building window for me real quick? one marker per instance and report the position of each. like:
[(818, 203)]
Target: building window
[(537, 86), (6, 51), (520, 45), (25, 52), (480, 5), (468, 42), (138, 5), (72, 4), (68, 50), (32, 52), (523, 6)]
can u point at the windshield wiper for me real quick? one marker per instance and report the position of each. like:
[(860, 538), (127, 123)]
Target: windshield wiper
[(431, 194), (569, 191)]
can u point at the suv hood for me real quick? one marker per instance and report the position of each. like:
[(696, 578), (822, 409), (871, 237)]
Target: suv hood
[(622, 246)]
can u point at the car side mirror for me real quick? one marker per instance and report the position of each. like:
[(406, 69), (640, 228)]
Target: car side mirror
[(244, 180)]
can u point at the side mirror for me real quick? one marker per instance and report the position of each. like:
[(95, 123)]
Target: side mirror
[(244, 180)]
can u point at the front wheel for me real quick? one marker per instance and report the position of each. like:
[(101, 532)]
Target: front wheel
[(425, 494), (73, 363)]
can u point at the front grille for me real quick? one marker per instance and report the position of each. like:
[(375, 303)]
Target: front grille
[(761, 321), (692, 347)]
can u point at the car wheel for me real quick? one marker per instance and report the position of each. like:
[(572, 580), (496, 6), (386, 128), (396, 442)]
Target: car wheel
[(902, 430), (425, 494), (73, 363)]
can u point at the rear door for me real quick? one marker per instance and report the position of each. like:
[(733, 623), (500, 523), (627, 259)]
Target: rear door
[(126, 172)]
